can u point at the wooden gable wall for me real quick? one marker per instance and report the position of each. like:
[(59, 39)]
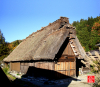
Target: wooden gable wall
[(68, 51), (66, 65)]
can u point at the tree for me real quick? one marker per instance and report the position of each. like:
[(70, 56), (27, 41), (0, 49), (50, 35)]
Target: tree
[(6, 48), (84, 37), (88, 32), (2, 39), (3, 47), (96, 26), (75, 23), (16, 43), (95, 33)]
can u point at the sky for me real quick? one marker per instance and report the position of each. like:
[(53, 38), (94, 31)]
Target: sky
[(20, 18)]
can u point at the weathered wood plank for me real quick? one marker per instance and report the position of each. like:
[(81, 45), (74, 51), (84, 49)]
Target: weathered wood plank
[(68, 68), (65, 68), (68, 50), (22, 63), (30, 64), (50, 66), (15, 66), (24, 69), (25, 64), (41, 65)]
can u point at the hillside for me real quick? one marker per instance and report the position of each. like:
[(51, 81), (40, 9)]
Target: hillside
[(88, 32)]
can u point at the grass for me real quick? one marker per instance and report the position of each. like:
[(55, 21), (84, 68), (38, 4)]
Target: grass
[(5, 70), (10, 77)]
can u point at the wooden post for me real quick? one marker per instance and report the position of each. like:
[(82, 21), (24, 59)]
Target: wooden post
[(10, 66), (75, 67), (69, 68), (20, 67)]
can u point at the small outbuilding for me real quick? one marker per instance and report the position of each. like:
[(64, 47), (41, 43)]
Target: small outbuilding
[(53, 51)]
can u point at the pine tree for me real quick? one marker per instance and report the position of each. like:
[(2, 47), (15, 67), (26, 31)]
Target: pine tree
[(2, 39)]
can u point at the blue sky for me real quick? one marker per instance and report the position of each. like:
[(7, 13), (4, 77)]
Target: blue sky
[(20, 18)]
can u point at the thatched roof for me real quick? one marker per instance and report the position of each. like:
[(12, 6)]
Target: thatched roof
[(43, 44)]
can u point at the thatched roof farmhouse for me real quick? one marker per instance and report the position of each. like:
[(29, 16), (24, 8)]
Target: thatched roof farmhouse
[(53, 44)]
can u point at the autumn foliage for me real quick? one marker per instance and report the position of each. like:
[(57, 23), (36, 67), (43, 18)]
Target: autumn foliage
[(96, 27), (5, 47)]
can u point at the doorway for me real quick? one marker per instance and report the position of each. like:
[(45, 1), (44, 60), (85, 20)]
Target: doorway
[(79, 64)]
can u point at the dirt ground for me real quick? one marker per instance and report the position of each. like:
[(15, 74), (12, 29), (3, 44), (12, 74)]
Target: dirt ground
[(82, 83)]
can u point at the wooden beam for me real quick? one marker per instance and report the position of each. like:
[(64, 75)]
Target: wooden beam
[(69, 68)]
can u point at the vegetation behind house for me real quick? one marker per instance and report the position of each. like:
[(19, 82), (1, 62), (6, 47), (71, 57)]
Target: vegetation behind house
[(5, 47), (88, 32)]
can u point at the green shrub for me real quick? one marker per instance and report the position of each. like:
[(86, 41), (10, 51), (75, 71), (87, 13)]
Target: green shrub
[(17, 74), (6, 70)]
